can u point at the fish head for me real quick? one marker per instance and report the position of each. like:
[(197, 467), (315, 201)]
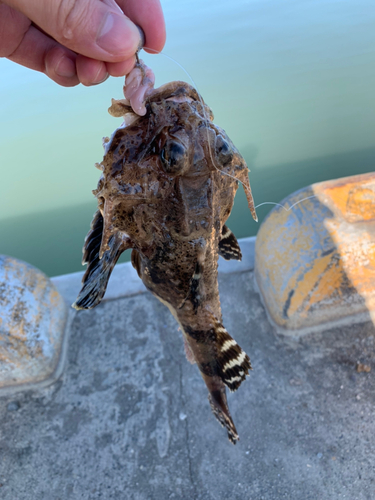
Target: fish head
[(161, 163), (142, 161)]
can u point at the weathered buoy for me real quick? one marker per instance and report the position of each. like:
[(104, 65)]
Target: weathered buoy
[(315, 259), (32, 325)]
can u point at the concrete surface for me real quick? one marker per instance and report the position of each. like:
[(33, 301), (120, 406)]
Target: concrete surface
[(32, 324), (129, 418)]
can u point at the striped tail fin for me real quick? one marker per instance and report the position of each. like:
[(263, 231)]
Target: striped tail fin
[(233, 362)]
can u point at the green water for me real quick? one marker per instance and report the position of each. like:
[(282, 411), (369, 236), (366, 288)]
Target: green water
[(292, 83)]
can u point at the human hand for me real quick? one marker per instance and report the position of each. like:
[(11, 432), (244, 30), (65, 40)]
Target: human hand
[(79, 41)]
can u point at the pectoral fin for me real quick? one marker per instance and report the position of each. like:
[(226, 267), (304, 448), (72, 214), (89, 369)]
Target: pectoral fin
[(228, 245), (93, 238), (95, 279), (136, 261)]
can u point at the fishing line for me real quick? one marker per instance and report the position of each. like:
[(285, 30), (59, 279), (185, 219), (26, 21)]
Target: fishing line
[(282, 206), (208, 139)]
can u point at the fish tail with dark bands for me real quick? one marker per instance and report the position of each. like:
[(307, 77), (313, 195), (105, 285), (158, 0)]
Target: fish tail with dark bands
[(233, 363), (226, 360)]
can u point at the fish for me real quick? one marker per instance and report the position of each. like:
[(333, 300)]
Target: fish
[(167, 187)]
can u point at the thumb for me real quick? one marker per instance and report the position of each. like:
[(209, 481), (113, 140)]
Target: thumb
[(94, 28)]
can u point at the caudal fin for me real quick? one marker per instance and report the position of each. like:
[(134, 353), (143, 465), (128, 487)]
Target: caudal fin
[(233, 362), (221, 362)]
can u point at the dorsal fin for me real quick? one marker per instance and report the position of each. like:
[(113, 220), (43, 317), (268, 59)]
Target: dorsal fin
[(228, 245)]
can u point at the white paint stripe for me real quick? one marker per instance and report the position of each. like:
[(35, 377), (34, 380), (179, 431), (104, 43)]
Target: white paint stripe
[(235, 362), (228, 344)]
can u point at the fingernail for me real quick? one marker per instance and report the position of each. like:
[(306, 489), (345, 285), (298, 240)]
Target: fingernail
[(65, 67), (102, 80), (118, 35)]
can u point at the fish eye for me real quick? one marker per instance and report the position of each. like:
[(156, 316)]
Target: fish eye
[(223, 150), (173, 157)]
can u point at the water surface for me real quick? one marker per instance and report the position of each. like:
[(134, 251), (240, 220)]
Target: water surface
[(291, 82)]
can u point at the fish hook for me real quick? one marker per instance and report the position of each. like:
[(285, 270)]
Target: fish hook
[(141, 44)]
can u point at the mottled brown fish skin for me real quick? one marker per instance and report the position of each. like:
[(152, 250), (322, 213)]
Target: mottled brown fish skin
[(167, 188)]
